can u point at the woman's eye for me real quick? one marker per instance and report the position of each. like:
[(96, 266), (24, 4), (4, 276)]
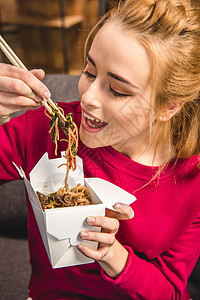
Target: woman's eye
[(88, 74), (117, 94)]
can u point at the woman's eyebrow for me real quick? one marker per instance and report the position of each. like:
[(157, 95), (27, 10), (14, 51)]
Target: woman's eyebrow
[(119, 78), (90, 59), (115, 76)]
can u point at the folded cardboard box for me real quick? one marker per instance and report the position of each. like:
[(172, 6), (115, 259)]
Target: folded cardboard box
[(60, 227)]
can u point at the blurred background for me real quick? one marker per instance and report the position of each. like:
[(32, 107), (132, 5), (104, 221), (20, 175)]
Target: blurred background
[(50, 34)]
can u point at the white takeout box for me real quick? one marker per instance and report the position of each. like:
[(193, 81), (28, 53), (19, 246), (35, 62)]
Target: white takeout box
[(60, 227)]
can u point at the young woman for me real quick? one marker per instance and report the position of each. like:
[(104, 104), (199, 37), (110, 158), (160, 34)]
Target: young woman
[(139, 121)]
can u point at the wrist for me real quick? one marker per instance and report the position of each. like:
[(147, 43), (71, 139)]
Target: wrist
[(115, 261)]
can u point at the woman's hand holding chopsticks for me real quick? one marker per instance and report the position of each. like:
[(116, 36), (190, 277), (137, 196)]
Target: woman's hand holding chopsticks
[(20, 90)]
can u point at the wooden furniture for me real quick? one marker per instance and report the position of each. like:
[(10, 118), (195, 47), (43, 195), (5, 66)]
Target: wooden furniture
[(51, 32)]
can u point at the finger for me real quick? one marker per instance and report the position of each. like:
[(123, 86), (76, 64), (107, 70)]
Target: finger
[(27, 77), (105, 238), (93, 254), (109, 224), (20, 104), (39, 73), (16, 86), (123, 212), (12, 109)]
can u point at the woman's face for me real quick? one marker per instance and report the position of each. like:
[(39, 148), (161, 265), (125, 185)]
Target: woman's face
[(115, 91)]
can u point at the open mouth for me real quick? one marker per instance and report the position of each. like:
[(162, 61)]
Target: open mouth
[(94, 123), (90, 122)]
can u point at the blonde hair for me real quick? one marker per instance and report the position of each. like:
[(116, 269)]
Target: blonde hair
[(170, 29)]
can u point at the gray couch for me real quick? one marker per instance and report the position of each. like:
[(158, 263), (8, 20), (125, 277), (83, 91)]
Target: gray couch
[(14, 257)]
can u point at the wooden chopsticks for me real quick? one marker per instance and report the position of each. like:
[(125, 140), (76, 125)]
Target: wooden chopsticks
[(14, 59)]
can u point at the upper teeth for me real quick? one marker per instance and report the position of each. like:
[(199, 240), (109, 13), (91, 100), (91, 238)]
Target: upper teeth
[(93, 119)]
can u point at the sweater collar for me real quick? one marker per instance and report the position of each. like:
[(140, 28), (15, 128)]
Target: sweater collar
[(127, 165)]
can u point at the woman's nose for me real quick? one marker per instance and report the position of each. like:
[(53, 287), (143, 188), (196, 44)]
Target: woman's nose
[(92, 95)]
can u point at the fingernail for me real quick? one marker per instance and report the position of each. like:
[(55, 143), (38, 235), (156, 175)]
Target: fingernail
[(84, 234), (47, 95), (91, 220), (38, 98), (118, 206), (80, 247)]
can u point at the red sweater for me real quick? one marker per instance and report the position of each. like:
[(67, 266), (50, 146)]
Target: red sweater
[(162, 239)]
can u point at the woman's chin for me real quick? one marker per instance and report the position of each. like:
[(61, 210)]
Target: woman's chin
[(89, 139)]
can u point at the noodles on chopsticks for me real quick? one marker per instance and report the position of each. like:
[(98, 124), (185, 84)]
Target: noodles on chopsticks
[(71, 131), (65, 197)]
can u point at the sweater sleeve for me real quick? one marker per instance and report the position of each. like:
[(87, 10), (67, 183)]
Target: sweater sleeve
[(25, 139), (12, 149), (164, 277)]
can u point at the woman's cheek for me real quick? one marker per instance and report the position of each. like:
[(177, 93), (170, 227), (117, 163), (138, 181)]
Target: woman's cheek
[(81, 85)]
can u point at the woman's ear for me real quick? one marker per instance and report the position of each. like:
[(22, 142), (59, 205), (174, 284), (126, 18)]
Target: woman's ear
[(170, 111)]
